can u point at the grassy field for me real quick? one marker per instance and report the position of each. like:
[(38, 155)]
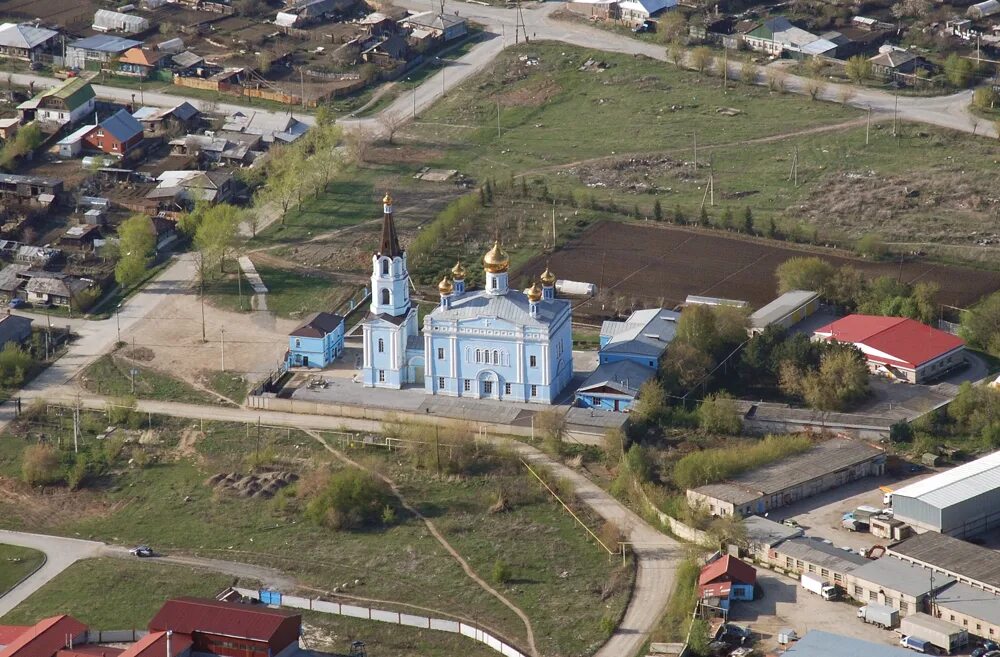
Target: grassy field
[(229, 385), (295, 293), (110, 375), (563, 582), (116, 594), (16, 563), (335, 633)]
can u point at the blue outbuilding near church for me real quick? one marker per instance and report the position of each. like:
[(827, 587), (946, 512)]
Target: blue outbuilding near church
[(317, 342)]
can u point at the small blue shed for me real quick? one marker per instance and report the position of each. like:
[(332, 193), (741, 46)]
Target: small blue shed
[(317, 342)]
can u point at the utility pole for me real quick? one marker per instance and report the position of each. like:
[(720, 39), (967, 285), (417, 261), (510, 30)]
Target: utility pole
[(414, 102), (302, 87), (76, 427), (895, 109), (437, 451), (202, 295), (498, 120), (725, 69), (868, 126), (239, 285), (223, 344), (695, 163)]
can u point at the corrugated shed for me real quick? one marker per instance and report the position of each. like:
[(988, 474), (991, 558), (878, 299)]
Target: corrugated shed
[(189, 615), (958, 484), (45, 638)]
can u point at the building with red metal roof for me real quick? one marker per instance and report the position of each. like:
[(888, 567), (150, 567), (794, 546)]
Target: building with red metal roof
[(90, 650), (8, 633), (155, 644), (898, 347), (729, 578), (230, 629), (46, 637)]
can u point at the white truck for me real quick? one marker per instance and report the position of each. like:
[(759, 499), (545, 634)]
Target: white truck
[(879, 615), (819, 586)]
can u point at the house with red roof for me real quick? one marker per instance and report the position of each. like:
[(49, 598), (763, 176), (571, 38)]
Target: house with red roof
[(45, 638), (898, 347), (727, 578), (229, 629)]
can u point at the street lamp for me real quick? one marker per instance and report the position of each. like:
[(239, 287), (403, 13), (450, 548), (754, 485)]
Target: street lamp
[(118, 321), (414, 100)]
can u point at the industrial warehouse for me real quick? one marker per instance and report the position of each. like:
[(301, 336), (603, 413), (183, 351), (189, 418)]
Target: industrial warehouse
[(962, 502), (830, 463)]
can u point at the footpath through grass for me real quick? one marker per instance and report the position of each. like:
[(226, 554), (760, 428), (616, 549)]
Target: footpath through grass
[(16, 563), (111, 375), (116, 594)]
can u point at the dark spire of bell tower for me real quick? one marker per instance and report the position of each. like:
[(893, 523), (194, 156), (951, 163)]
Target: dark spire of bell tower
[(390, 240)]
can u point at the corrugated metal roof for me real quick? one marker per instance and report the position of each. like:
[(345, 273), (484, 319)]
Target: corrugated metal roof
[(896, 575), (781, 307), (824, 644), (511, 307), (121, 125), (105, 43), (958, 484), (952, 555), (817, 551), (25, 36), (44, 638), (625, 376), (646, 332), (964, 599), (235, 619)]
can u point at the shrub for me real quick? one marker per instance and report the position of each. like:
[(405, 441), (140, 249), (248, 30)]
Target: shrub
[(718, 414), (351, 499), (14, 365), (40, 465), (614, 444), (710, 465), (638, 463), (501, 571)]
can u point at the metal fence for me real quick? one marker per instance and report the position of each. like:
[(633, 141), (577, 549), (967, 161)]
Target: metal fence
[(385, 616)]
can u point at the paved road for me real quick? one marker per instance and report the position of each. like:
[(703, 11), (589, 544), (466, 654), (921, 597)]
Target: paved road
[(61, 553)]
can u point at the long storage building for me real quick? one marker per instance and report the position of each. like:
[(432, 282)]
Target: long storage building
[(963, 501)]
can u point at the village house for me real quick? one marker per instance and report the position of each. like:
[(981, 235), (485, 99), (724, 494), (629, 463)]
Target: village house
[(14, 328), (894, 63), (777, 34), (36, 256), (231, 148), (316, 342), (445, 27), (52, 289), (299, 13), (637, 12), (64, 104), (115, 135), (193, 186), (159, 121), (140, 62), (387, 51), (12, 281), (25, 41), (81, 237), (96, 51)]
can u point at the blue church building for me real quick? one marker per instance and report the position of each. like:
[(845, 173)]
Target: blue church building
[(495, 343), (316, 342)]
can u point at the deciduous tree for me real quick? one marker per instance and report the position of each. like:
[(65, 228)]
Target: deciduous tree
[(137, 244)]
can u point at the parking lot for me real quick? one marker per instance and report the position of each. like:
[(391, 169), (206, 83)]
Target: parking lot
[(784, 603), (820, 515)]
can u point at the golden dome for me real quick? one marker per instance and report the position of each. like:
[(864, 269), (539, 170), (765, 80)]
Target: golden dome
[(534, 293), (387, 200), (496, 260), (445, 287), (548, 278), (458, 271)]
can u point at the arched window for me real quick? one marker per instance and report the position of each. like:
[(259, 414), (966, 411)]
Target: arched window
[(494, 284), (496, 357), (385, 267), (385, 296), (381, 345), (479, 356)]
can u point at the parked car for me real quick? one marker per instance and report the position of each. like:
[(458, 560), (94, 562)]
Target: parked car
[(16, 303), (141, 551), (645, 26)]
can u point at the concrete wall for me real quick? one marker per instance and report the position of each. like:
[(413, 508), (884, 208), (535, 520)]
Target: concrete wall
[(376, 416), (385, 616)]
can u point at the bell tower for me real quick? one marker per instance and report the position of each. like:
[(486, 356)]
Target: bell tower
[(390, 278)]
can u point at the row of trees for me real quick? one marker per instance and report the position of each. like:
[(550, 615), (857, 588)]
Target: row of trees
[(849, 289), (981, 325)]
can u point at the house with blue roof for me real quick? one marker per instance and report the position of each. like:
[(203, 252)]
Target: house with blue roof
[(316, 342), (629, 354), (115, 135), (95, 51)]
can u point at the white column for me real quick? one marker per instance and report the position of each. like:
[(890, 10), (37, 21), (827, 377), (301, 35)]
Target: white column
[(454, 356), (430, 358), (366, 339), (545, 363)]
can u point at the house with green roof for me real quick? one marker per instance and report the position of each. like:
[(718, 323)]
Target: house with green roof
[(69, 102)]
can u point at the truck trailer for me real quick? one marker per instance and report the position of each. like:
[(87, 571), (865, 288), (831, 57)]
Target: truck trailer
[(945, 636), (817, 585), (881, 615)]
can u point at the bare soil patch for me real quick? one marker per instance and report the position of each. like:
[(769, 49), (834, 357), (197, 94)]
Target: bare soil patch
[(658, 264), (44, 507), (402, 154), (254, 342), (533, 94)]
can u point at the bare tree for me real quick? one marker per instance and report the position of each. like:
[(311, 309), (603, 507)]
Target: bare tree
[(359, 143), (748, 73), (775, 80), (814, 89), (391, 122)]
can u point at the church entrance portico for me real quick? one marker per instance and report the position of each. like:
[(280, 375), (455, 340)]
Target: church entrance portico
[(489, 385)]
